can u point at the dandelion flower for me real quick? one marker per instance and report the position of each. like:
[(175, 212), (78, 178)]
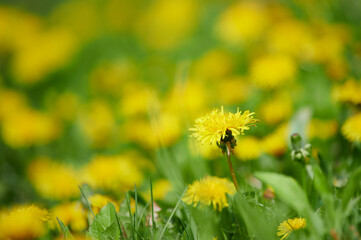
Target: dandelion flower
[(114, 173), (272, 71), (23, 222), (214, 127), (322, 129), (53, 180), (351, 129), (71, 214), (348, 92), (251, 148), (98, 201), (210, 191), (287, 226)]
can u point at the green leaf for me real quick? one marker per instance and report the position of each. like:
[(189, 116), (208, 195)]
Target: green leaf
[(351, 187), (255, 220), (290, 192), (319, 181), (105, 225), (64, 230)]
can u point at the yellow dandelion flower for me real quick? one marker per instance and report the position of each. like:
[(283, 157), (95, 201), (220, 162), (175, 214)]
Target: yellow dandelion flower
[(272, 71), (287, 226), (351, 129), (250, 148), (98, 123), (98, 201), (23, 222), (160, 189), (214, 64), (275, 143), (348, 92), (212, 127), (276, 110), (71, 214), (242, 22), (14, 102), (115, 173), (210, 191), (39, 128), (53, 180), (322, 129), (166, 23)]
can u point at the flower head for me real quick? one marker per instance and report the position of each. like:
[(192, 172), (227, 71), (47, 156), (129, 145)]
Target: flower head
[(287, 226), (210, 191), (23, 222), (351, 129), (214, 127)]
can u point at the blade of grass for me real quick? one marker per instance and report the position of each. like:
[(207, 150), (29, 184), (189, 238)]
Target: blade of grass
[(130, 213), (86, 200), (136, 205), (152, 202), (64, 229), (142, 214), (171, 215)]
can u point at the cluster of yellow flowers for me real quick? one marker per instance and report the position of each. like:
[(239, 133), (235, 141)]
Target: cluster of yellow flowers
[(78, 107)]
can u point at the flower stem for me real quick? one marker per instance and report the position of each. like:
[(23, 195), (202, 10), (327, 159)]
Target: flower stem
[(231, 167)]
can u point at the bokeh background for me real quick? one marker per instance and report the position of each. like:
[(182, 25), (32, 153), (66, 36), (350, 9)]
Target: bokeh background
[(101, 93)]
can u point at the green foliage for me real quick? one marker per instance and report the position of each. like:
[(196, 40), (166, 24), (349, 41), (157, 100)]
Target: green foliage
[(105, 225), (64, 229)]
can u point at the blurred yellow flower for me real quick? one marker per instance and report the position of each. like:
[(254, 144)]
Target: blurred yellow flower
[(72, 214), (331, 42), (242, 22), (27, 127), (211, 128), (271, 71), (15, 101), (291, 37), (275, 143), (232, 90), (277, 109), (110, 77), (248, 148), (160, 189), (42, 55), (98, 123), (17, 26), (161, 130), (322, 129), (287, 226), (136, 100), (214, 64), (23, 222), (115, 173), (98, 201), (187, 99), (348, 92), (167, 23), (53, 180), (351, 128), (81, 17), (209, 191)]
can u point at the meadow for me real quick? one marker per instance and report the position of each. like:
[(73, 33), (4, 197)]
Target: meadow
[(180, 119)]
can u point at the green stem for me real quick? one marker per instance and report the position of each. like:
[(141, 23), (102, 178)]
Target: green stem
[(231, 166)]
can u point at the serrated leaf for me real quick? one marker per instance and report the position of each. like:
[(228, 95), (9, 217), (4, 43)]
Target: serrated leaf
[(105, 224)]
